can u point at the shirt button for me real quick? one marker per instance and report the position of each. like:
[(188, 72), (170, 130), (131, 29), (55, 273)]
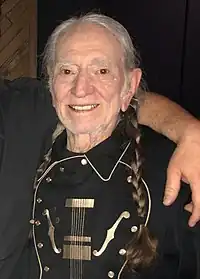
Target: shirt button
[(111, 274), (134, 229), (122, 252), (37, 223), (32, 221), (83, 162), (46, 268), (62, 169), (129, 179), (39, 200), (48, 179), (40, 245)]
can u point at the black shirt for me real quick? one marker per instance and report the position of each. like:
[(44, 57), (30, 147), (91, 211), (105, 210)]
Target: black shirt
[(27, 120), (84, 196)]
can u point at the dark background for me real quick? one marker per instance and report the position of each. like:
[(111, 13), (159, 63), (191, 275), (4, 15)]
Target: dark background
[(166, 33)]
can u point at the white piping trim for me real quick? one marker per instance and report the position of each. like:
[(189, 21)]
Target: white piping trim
[(121, 270), (115, 166), (90, 163), (57, 162), (148, 195), (33, 230)]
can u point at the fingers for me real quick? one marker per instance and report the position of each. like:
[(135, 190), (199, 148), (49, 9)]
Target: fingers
[(189, 207), (194, 207), (172, 187), (185, 164), (195, 217)]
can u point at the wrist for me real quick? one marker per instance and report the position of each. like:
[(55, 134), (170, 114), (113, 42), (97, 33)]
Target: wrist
[(190, 132)]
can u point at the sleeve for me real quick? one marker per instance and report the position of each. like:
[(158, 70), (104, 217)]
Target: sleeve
[(32, 98), (26, 116), (31, 92)]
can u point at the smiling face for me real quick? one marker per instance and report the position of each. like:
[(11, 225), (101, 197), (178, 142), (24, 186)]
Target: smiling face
[(88, 80)]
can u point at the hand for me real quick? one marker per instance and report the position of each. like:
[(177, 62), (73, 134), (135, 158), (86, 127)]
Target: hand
[(185, 165)]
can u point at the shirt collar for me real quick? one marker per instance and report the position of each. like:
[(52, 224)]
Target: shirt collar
[(103, 158)]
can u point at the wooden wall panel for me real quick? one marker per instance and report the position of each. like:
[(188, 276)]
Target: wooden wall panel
[(18, 38)]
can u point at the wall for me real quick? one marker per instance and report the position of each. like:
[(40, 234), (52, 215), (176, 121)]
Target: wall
[(18, 38)]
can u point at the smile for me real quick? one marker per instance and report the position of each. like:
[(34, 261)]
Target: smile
[(83, 107)]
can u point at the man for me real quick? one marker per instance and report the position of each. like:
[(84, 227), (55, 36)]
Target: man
[(92, 201), (28, 120)]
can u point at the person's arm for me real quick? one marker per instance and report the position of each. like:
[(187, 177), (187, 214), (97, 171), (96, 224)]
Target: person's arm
[(171, 120), (166, 117)]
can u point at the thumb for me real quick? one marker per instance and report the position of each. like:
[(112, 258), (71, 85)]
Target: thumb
[(172, 186)]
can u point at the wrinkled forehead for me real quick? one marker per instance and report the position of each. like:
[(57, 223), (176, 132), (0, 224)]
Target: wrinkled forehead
[(89, 39)]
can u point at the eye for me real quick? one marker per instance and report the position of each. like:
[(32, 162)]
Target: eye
[(66, 71), (103, 71)]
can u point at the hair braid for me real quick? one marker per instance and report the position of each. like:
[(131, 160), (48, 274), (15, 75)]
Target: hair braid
[(142, 250), (47, 157), (137, 162)]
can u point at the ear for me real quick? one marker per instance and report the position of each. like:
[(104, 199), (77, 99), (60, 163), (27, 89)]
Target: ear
[(134, 77)]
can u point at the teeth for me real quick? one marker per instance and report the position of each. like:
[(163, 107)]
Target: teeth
[(81, 108)]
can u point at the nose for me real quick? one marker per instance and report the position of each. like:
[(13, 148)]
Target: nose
[(82, 85)]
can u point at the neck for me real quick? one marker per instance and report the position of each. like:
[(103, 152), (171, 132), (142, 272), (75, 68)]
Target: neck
[(81, 143)]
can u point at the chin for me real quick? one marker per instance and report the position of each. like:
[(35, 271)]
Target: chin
[(84, 129), (80, 130)]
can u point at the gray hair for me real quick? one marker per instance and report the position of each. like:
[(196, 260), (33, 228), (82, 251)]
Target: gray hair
[(131, 60)]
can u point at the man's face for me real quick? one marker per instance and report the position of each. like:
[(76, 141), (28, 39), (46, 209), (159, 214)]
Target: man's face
[(88, 80)]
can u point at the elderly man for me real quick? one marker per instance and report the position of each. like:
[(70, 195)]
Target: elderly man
[(26, 126), (93, 205)]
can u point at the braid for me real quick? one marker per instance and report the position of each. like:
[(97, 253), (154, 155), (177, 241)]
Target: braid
[(142, 249), (47, 157), (137, 162)]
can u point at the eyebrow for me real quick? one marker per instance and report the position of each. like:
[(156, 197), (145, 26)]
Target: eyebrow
[(95, 61), (100, 61), (65, 63)]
